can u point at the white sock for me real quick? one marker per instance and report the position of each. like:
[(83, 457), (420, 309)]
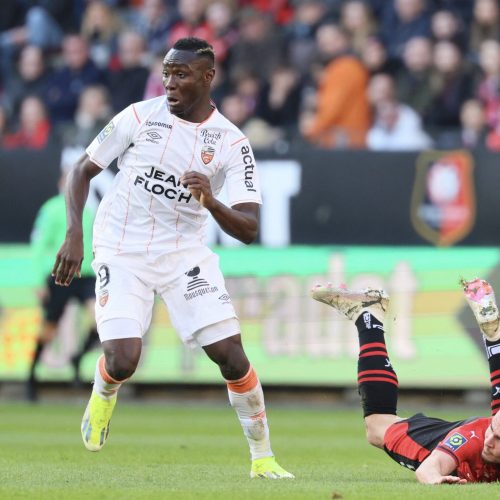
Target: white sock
[(247, 398), (105, 385)]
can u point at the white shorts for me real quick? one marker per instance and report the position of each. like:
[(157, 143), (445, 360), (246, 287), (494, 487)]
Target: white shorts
[(199, 306)]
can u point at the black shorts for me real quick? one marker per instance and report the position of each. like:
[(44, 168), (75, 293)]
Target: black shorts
[(409, 442), (58, 297)]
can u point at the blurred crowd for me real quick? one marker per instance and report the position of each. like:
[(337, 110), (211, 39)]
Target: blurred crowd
[(377, 74)]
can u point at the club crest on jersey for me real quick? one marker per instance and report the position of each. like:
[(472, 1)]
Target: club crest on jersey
[(105, 132), (455, 441), (207, 154)]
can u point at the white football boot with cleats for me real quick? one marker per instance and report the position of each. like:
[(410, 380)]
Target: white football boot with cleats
[(351, 303), (481, 299)]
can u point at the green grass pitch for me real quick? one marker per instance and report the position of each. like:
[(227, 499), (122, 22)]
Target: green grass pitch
[(197, 451)]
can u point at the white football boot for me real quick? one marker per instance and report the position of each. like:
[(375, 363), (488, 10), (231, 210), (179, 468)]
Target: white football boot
[(481, 299)]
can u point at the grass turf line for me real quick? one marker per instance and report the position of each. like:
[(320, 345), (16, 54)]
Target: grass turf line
[(159, 451)]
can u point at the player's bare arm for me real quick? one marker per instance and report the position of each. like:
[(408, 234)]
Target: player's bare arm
[(437, 469), (241, 221), (70, 256)]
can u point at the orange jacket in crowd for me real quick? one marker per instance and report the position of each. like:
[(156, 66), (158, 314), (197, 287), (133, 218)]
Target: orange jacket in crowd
[(343, 115)]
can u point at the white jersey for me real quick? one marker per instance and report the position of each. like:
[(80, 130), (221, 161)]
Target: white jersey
[(147, 210)]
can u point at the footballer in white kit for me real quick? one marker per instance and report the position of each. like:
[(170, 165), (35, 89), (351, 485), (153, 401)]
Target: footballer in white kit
[(175, 153), (150, 222)]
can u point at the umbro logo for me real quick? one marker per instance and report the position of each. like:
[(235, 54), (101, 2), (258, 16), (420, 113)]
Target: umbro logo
[(153, 136)]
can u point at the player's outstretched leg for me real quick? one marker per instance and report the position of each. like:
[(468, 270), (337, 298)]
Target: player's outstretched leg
[(481, 299), (97, 416), (377, 380)]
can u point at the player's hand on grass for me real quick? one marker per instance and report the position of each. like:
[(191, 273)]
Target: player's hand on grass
[(451, 480), (199, 186), (68, 261)]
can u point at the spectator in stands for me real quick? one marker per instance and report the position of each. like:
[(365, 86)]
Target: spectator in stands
[(489, 86), (473, 129), (396, 126), (374, 57), (300, 32), (66, 85), (260, 47), (357, 19), (92, 114), (128, 83), (100, 27), (32, 24), (485, 24), (220, 84), (31, 77), (281, 98), (220, 20), (154, 20), (38, 23), (401, 21), (446, 25), (261, 134), (452, 85), (154, 83), (342, 115), (413, 80), (248, 86), (279, 11), (34, 126), (192, 22)]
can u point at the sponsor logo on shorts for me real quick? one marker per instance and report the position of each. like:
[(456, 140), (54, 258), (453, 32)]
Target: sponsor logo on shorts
[(207, 154), (197, 286), (105, 132), (103, 297), (103, 276), (455, 441), (225, 298)]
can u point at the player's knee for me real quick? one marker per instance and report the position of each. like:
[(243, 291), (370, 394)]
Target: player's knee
[(120, 368), (374, 437)]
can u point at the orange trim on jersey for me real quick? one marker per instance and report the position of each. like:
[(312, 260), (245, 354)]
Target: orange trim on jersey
[(104, 374), (177, 203), (239, 140), (95, 161), (135, 113), (126, 218), (153, 228), (494, 374), (207, 118), (244, 384)]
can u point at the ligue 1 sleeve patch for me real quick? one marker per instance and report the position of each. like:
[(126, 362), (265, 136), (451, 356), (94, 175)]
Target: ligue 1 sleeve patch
[(105, 132), (455, 441)]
